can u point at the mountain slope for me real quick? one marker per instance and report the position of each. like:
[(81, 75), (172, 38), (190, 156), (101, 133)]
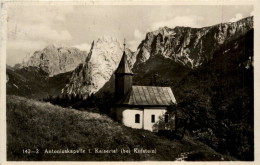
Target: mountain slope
[(102, 61), (169, 53), (190, 47), (37, 125), (228, 82), (45, 73), (173, 53), (29, 82), (224, 79), (33, 82), (55, 60), (232, 65)]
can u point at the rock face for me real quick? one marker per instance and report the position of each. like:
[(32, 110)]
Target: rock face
[(55, 60), (100, 64), (170, 53), (190, 46), (184, 46)]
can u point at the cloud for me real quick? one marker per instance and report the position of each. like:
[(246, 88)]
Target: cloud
[(40, 31), (190, 21), (24, 39), (41, 25), (137, 34), (236, 18), (84, 46), (17, 50), (30, 28), (133, 44), (138, 37), (252, 13), (39, 14), (29, 45)]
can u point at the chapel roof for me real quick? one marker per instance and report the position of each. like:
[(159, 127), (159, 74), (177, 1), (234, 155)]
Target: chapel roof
[(148, 96)]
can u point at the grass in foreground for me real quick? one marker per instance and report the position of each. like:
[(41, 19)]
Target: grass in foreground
[(37, 125)]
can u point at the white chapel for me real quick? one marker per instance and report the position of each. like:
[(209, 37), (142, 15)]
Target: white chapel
[(139, 106)]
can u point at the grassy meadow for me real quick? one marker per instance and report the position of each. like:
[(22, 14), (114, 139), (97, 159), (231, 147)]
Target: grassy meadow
[(39, 126)]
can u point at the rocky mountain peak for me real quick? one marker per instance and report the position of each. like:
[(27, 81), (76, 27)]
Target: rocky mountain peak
[(55, 60), (100, 64), (191, 47), (107, 39), (162, 30)]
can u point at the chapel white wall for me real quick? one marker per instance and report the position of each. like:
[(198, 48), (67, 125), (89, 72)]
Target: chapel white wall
[(148, 125), (127, 117)]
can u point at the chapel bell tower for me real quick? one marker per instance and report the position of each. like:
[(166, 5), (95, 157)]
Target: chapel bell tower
[(123, 78)]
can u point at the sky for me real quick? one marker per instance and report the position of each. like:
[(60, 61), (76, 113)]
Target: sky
[(32, 28)]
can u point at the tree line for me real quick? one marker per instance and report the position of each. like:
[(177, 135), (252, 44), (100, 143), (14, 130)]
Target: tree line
[(100, 103)]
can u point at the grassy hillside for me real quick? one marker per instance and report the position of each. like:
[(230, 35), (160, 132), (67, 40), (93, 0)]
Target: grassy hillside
[(37, 125)]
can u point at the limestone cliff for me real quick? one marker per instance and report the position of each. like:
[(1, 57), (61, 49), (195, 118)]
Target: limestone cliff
[(190, 46), (55, 60), (99, 66)]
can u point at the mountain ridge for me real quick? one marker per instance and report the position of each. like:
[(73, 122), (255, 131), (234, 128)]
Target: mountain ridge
[(190, 46), (181, 49), (54, 60)]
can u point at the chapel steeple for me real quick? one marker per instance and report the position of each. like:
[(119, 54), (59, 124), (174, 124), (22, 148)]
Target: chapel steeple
[(123, 67), (123, 77)]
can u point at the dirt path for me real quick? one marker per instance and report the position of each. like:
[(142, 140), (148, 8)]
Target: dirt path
[(183, 156)]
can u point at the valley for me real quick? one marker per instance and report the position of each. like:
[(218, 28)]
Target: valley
[(210, 71)]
